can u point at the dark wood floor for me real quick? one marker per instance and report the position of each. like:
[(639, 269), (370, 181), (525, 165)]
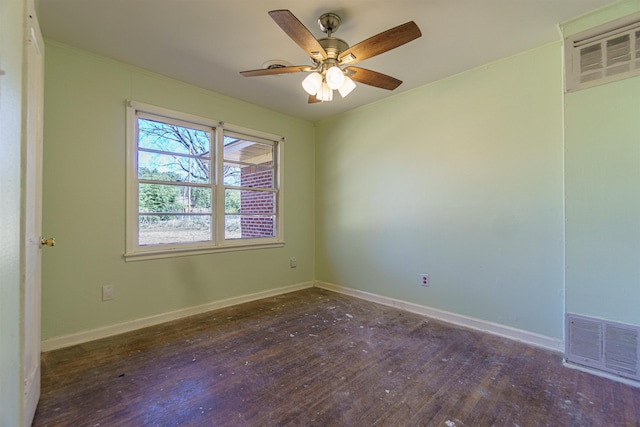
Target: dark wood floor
[(317, 358)]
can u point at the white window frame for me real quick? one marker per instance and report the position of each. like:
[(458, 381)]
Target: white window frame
[(133, 250)]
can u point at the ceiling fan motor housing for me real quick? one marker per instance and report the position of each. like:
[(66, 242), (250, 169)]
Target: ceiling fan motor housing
[(333, 46)]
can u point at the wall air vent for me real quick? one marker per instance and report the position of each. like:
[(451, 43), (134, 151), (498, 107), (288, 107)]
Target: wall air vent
[(608, 346), (603, 54)]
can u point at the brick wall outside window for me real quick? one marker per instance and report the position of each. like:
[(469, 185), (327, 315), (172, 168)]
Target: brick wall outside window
[(257, 202)]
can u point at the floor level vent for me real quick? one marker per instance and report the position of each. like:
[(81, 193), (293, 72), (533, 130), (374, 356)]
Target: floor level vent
[(608, 346)]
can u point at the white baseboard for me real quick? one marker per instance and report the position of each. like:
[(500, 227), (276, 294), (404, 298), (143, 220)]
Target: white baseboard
[(85, 336), (457, 319)]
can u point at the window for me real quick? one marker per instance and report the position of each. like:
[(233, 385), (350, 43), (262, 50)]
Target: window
[(196, 185), (603, 54)]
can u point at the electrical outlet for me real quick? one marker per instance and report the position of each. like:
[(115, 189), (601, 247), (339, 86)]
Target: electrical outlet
[(293, 263), (107, 292), (424, 280)]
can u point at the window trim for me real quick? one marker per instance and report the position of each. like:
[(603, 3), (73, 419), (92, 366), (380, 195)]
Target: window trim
[(134, 251)]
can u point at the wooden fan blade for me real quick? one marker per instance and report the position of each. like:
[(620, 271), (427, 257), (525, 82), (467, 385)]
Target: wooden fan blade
[(381, 43), (276, 70), (313, 99), (372, 78), (299, 33)]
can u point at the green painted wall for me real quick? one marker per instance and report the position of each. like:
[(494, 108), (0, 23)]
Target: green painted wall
[(11, 45), (84, 196), (461, 179), (602, 163)]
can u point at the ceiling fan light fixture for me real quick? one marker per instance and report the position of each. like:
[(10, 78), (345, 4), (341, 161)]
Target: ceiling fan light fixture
[(346, 87), (335, 77), (325, 93), (312, 83)]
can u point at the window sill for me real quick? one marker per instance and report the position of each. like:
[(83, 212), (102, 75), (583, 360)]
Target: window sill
[(173, 253)]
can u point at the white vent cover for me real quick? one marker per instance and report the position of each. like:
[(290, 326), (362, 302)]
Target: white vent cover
[(603, 54), (600, 344)]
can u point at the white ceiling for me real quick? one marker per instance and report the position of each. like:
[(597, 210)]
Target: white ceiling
[(207, 43)]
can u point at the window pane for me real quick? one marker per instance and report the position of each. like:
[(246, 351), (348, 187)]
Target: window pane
[(249, 226), (232, 227), (173, 198), (231, 174), (257, 176), (164, 229), (249, 202), (176, 139), (245, 151), (171, 167)]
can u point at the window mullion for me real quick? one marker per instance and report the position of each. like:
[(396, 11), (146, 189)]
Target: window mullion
[(174, 213), (265, 190), (172, 153), (277, 176), (174, 183), (219, 211)]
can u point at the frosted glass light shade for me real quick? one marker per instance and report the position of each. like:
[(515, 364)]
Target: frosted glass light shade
[(325, 93), (346, 87), (334, 77), (311, 84)]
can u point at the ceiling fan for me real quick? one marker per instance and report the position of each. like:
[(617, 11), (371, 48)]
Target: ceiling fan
[(332, 59)]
